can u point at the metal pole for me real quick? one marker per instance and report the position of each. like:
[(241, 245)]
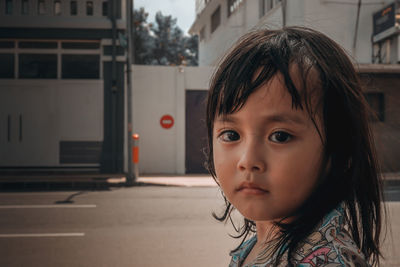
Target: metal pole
[(283, 6), (131, 177), (356, 29)]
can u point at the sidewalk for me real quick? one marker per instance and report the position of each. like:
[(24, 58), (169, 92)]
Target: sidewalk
[(186, 180), (110, 180)]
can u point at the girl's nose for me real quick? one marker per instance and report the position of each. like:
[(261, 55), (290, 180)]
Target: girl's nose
[(252, 158)]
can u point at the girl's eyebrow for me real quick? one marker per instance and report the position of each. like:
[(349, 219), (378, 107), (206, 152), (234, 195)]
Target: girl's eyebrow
[(278, 117)]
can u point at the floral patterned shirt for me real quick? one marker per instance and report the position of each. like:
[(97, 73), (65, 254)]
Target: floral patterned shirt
[(330, 245)]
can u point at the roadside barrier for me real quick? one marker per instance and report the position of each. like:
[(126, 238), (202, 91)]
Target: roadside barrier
[(135, 154)]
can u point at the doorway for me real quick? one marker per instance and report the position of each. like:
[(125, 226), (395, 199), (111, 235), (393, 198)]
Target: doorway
[(196, 131)]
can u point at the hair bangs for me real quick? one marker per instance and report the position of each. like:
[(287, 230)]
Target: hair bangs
[(254, 65)]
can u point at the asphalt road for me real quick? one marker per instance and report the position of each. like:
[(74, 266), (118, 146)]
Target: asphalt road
[(139, 226)]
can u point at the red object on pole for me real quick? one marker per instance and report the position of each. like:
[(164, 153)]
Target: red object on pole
[(135, 148), (135, 154)]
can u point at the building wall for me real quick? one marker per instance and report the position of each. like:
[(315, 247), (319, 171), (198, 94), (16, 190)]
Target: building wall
[(37, 115), (212, 48), (63, 20), (157, 91), (336, 19), (62, 102), (387, 132)]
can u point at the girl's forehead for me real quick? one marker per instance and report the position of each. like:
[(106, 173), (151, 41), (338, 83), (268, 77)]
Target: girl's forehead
[(271, 99)]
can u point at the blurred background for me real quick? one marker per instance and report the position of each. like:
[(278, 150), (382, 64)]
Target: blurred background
[(78, 78)]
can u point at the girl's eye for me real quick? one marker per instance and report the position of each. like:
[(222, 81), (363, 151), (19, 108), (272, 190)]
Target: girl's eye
[(229, 136), (280, 137)]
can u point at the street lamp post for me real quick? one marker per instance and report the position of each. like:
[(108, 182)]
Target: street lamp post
[(131, 177)]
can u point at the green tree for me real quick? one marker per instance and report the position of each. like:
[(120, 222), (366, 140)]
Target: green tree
[(143, 41), (162, 43)]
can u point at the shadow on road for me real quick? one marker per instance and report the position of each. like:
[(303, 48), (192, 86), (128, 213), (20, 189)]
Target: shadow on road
[(69, 200)]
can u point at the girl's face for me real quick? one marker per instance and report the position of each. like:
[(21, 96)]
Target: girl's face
[(267, 155)]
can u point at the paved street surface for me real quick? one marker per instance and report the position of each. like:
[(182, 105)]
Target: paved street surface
[(137, 226)]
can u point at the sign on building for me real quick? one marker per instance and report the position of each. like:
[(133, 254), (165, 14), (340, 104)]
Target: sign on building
[(384, 22)]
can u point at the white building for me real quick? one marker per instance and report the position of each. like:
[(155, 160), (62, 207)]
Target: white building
[(219, 23), (61, 85)]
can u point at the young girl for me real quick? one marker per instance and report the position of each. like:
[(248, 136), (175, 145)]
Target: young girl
[(291, 148)]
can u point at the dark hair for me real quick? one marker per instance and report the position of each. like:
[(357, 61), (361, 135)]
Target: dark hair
[(352, 175)]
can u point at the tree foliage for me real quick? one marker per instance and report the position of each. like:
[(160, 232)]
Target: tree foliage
[(162, 43)]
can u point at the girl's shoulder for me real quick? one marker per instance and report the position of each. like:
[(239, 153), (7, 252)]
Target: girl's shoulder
[(330, 245), (241, 253)]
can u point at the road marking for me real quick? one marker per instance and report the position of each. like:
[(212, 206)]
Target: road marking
[(43, 235), (392, 191), (37, 193), (46, 206)]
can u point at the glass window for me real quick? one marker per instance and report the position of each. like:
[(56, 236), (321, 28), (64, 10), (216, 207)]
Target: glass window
[(57, 7), (38, 66), (24, 7), (7, 44), (41, 7), (216, 19), (9, 7), (80, 66), (73, 8), (89, 8), (233, 5), (265, 6), (80, 45), (39, 45), (202, 34), (270, 4), (105, 9), (7, 66)]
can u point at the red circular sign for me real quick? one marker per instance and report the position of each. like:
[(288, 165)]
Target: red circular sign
[(167, 121)]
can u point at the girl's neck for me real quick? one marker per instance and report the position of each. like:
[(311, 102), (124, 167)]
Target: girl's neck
[(266, 231)]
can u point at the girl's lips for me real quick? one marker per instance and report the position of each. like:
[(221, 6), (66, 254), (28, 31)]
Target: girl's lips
[(251, 189)]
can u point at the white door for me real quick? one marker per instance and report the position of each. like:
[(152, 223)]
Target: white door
[(28, 126)]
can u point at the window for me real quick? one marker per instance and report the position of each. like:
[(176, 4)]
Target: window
[(39, 45), (233, 5), (267, 5), (73, 8), (41, 7), (80, 66), (376, 102), (270, 5), (57, 7), (216, 19), (89, 8), (105, 9), (7, 44), (9, 7), (202, 34), (80, 45), (24, 7), (38, 66), (7, 66)]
